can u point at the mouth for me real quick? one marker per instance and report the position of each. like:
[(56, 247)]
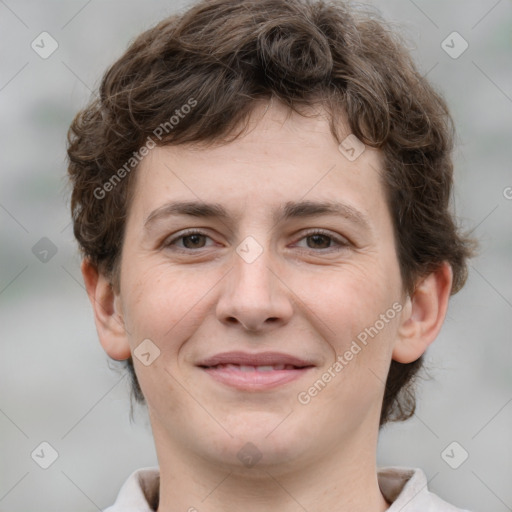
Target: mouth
[(255, 372)]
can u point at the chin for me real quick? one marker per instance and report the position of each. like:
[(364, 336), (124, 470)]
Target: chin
[(259, 441)]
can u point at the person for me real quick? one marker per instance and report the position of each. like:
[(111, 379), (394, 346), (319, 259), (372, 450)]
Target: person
[(261, 195)]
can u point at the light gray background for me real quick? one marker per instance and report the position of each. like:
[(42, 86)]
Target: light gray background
[(55, 383)]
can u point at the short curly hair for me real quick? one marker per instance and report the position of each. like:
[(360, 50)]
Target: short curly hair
[(219, 58)]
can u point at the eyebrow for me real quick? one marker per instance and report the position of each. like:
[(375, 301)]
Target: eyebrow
[(290, 210)]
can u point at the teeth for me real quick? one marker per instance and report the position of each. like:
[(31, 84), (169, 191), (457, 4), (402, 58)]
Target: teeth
[(267, 368), (262, 368)]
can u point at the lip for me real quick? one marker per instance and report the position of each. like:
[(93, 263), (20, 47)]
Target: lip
[(257, 359), (223, 368)]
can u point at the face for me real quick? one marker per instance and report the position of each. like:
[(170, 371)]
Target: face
[(264, 274)]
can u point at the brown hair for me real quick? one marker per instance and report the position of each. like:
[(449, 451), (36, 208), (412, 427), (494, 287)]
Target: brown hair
[(219, 58)]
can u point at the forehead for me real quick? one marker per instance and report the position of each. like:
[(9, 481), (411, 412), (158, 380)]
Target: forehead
[(281, 157)]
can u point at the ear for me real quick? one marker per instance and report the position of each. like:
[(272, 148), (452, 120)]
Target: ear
[(107, 312), (423, 315)]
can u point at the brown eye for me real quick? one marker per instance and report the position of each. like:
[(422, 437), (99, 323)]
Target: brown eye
[(193, 241), (319, 241), (188, 241)]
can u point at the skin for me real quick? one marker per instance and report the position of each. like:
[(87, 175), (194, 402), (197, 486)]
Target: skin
[(305, 296)]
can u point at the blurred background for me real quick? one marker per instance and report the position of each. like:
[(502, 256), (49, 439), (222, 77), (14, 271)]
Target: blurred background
[(56, 385)]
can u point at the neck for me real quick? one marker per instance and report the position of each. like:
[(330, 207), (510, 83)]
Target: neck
[(344, 480)]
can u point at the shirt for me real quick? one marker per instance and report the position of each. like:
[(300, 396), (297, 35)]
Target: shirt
[(406, 490)]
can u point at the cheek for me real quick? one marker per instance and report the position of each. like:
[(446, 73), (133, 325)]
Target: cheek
[(358, 316), (165, 304), (350, 299)]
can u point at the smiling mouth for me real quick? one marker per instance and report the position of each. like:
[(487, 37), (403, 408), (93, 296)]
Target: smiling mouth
[(262, 377), (251, 368), (246, 371)]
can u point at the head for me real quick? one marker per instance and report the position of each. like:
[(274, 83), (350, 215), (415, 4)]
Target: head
[(248, 105)]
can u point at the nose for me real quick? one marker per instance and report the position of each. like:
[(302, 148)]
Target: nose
[(254, 296)]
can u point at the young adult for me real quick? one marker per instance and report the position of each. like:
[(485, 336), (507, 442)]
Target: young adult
[(261, 195)]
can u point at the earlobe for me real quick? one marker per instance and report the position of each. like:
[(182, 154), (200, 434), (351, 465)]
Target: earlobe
[(423, 315), (107, 317)]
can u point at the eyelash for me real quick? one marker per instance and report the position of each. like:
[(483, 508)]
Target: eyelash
[(342, 242)]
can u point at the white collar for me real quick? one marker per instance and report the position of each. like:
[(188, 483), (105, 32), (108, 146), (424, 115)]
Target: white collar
[(405, 488)]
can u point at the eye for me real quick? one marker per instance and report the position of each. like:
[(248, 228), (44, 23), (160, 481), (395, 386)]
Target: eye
[(320, 240), (192, 239), (324, 240)]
